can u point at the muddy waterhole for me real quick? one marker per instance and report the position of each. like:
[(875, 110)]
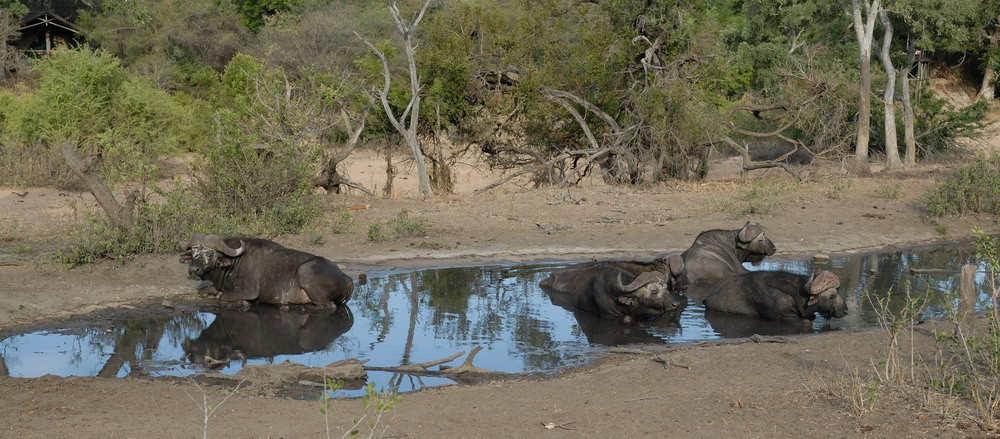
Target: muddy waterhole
[(417, 316)]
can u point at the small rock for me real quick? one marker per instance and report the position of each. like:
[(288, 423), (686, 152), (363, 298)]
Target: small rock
[(167, 304), (821, 257)]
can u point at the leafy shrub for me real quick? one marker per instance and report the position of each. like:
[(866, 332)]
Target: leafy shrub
[(972, 188), (400, 226), (836, 191), (123, 122), (761, 198), (343, 222), (890, 191)]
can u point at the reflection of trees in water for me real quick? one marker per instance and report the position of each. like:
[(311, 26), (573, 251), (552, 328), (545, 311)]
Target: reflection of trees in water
[(136, 339), (481, 305), (886, 275)]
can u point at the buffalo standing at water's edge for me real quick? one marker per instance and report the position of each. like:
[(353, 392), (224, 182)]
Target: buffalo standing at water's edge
[(716, 254), (611, 291), (241, 270), (778, 295)]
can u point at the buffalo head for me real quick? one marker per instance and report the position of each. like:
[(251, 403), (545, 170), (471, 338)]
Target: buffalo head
[(648, 295), (823, 295), (751, 239), (206, 252), (672, 266)]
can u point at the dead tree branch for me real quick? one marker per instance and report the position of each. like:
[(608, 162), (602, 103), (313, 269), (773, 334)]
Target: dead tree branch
[(121, 216), (465, 370)]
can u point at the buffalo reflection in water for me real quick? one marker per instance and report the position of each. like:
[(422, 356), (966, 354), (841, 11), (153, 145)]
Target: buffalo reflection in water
[(266, 331), (606, 332)]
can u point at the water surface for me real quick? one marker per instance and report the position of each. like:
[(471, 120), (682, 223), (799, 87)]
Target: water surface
[(412, 317)]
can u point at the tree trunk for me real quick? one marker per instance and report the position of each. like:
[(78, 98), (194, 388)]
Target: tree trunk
[(889, 95), (864, 30), (987, 90), (119, 215), (413, 108), (909, 136), (390, 172)]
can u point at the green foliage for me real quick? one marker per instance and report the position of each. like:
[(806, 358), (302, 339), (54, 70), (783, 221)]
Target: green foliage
[(376, 404), (21, 249), (940, 128), (342, 223), (178, 44), (969, 355), (14, 7), (117, 116), (761, 198), (101, 240), (838, 189), (974, 188), (889, 191), (400, 226), (256, 12)]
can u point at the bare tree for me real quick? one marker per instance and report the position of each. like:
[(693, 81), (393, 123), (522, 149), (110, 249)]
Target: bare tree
[(889, 95), (412, 110), (329, 178), (9, 58), (909, 137), (864, 28)]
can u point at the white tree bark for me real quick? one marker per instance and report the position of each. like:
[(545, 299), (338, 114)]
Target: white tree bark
[(412, 110), (864, 29), (909, 137), (888, 95)]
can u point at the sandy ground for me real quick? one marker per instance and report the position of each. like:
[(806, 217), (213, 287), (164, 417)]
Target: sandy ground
[(736, 389)]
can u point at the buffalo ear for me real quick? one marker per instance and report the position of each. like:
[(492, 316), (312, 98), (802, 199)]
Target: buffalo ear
[(225, 262), (676, 264), (822, 281), (750, 231)]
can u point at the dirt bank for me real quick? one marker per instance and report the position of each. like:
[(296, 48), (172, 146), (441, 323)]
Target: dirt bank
[(728, 390)]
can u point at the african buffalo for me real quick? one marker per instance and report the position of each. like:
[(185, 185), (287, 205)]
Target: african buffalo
[(264, 332), (240, 270), (778, 295), (716, 254), (611, 292), (573, 277)]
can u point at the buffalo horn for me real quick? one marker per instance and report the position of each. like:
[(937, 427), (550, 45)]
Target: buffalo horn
[(823, 281), (216, 243), (195, 239), (643, 279), (750, 231)]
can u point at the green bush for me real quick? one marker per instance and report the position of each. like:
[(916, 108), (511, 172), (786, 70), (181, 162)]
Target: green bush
[(122, 121), (400, 226), (973, 188), (762, 197)]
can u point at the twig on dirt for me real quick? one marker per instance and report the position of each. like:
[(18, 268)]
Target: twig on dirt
[(669, 362), (757, 338), (553, 425), (628, 350), (643, 399)]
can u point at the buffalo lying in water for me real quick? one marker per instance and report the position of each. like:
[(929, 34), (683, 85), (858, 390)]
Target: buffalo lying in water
[(778, 295), (266, 331), (241, 270), (613, 292), (716, 254)]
